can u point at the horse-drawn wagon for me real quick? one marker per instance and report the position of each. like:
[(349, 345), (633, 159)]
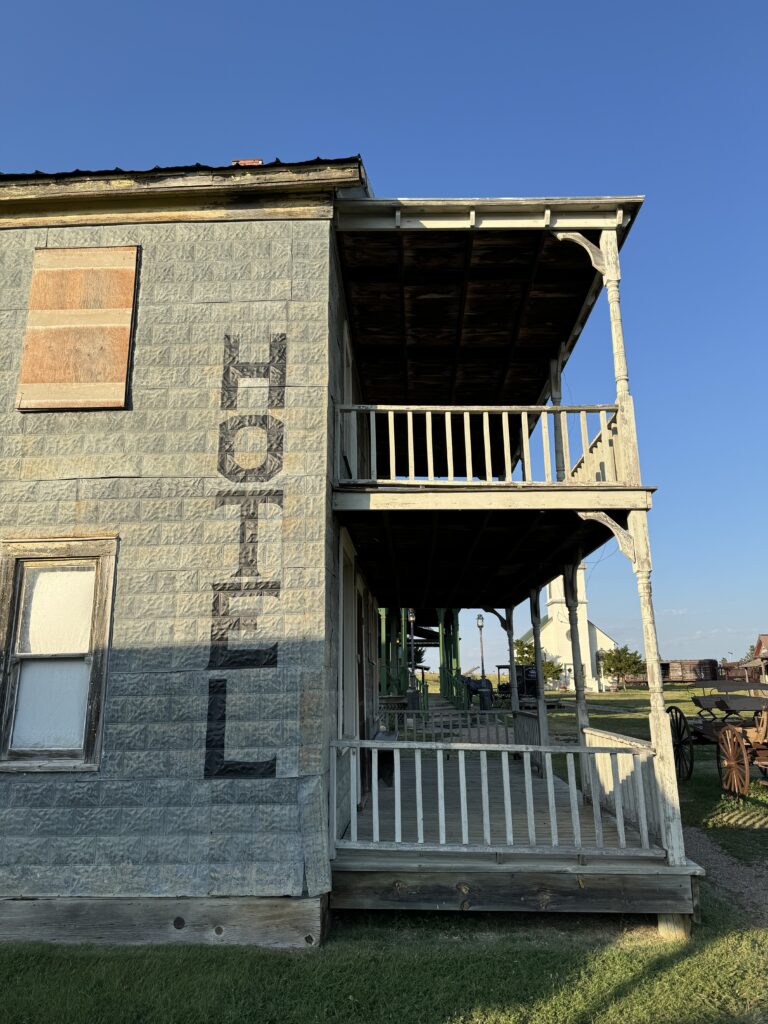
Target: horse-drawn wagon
[(736, 722)]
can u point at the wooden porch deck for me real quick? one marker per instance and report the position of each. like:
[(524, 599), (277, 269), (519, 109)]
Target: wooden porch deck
[(553, 852)]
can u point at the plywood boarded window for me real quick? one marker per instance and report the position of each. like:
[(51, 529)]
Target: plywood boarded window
[(79, 328)]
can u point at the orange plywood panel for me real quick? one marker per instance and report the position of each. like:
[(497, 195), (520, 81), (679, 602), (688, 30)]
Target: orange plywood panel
[(79, 327)]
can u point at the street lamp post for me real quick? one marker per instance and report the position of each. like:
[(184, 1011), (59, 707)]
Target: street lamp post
[(485, 690), (480, 622)]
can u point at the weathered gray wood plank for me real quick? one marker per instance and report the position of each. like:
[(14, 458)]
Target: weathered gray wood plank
[(498, 891), (288, 923)]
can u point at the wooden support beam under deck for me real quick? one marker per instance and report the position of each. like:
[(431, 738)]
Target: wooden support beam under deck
[(522, 887), (579, 499)]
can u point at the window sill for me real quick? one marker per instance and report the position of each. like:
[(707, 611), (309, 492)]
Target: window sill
[(50, 765)]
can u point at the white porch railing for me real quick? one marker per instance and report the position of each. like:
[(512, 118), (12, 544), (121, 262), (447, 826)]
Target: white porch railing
[(481, 798), (598, 460), (477, 445), (625, 778), (468, 726)]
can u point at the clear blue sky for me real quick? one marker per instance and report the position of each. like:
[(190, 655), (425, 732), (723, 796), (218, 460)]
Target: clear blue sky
[(504, 98)]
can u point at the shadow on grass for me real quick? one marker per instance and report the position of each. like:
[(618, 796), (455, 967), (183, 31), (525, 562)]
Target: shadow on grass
[(403, 968)]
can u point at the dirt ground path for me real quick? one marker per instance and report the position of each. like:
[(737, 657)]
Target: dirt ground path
[(746, 883)]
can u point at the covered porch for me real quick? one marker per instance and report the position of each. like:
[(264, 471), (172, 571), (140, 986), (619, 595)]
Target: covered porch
[(460, 480), (455, 821), (449, 807)]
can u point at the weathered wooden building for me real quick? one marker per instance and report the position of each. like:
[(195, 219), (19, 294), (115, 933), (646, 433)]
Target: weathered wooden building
[(689, 670), (244, 410)]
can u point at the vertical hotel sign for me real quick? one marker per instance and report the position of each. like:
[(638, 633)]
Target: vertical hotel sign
[(228, 623)]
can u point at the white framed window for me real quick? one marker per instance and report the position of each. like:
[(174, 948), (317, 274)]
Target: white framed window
[(55, 601)]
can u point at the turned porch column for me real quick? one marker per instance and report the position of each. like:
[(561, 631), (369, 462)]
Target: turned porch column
[(513, 691), (628, 462), (383, 659), (609, 247), (605, 260), (556, 394), (570, 580), (441, 647), (541, 704), (661, 736), (457, 641), (394, 654)]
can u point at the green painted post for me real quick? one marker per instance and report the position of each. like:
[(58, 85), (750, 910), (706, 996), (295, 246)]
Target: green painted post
[(448, 673), (441, 648), (403, 681), (457, 639), (393, 671), (459, 690), (383, 660)]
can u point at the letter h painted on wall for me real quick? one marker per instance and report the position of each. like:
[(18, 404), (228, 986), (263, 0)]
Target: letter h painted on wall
[(234, 371), (246, 581)]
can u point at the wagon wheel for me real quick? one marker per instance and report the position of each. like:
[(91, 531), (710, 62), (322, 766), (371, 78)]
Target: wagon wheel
[(682, 744), (732, 761)]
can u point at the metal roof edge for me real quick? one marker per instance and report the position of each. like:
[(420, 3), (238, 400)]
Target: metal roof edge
[(495, 201), (228, 169)]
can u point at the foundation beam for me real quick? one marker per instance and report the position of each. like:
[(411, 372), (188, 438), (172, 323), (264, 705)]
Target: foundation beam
[(283, 923)]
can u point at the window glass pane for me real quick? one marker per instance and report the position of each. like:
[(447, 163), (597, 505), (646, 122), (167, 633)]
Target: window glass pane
[(50, 705), (56, 608)]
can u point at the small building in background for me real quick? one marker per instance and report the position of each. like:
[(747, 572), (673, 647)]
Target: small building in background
[(689, 671), (751, 670)]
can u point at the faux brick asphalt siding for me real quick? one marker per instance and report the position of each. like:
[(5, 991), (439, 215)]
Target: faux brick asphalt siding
[(148, 823)]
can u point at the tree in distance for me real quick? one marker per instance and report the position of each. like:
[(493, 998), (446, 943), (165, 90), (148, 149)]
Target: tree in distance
[(524, 652), (525, 655), (621, 663)]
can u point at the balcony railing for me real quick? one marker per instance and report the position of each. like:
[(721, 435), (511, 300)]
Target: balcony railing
[(478, 446)]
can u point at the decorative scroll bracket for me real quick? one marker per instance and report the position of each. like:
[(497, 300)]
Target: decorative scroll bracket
[(596, 257), (604, 258), (623, 537)]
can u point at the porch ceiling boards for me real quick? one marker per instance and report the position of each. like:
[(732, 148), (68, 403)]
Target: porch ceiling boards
[(463, 317), (468, 559)]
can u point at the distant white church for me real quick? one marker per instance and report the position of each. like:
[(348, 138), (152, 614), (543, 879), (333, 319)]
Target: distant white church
[(556, 633)]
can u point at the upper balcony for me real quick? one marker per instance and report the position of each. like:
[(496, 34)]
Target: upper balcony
[(462, 316), (537, 456)]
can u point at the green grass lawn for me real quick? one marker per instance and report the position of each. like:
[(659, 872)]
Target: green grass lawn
[(441, 968), (403, 968)]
